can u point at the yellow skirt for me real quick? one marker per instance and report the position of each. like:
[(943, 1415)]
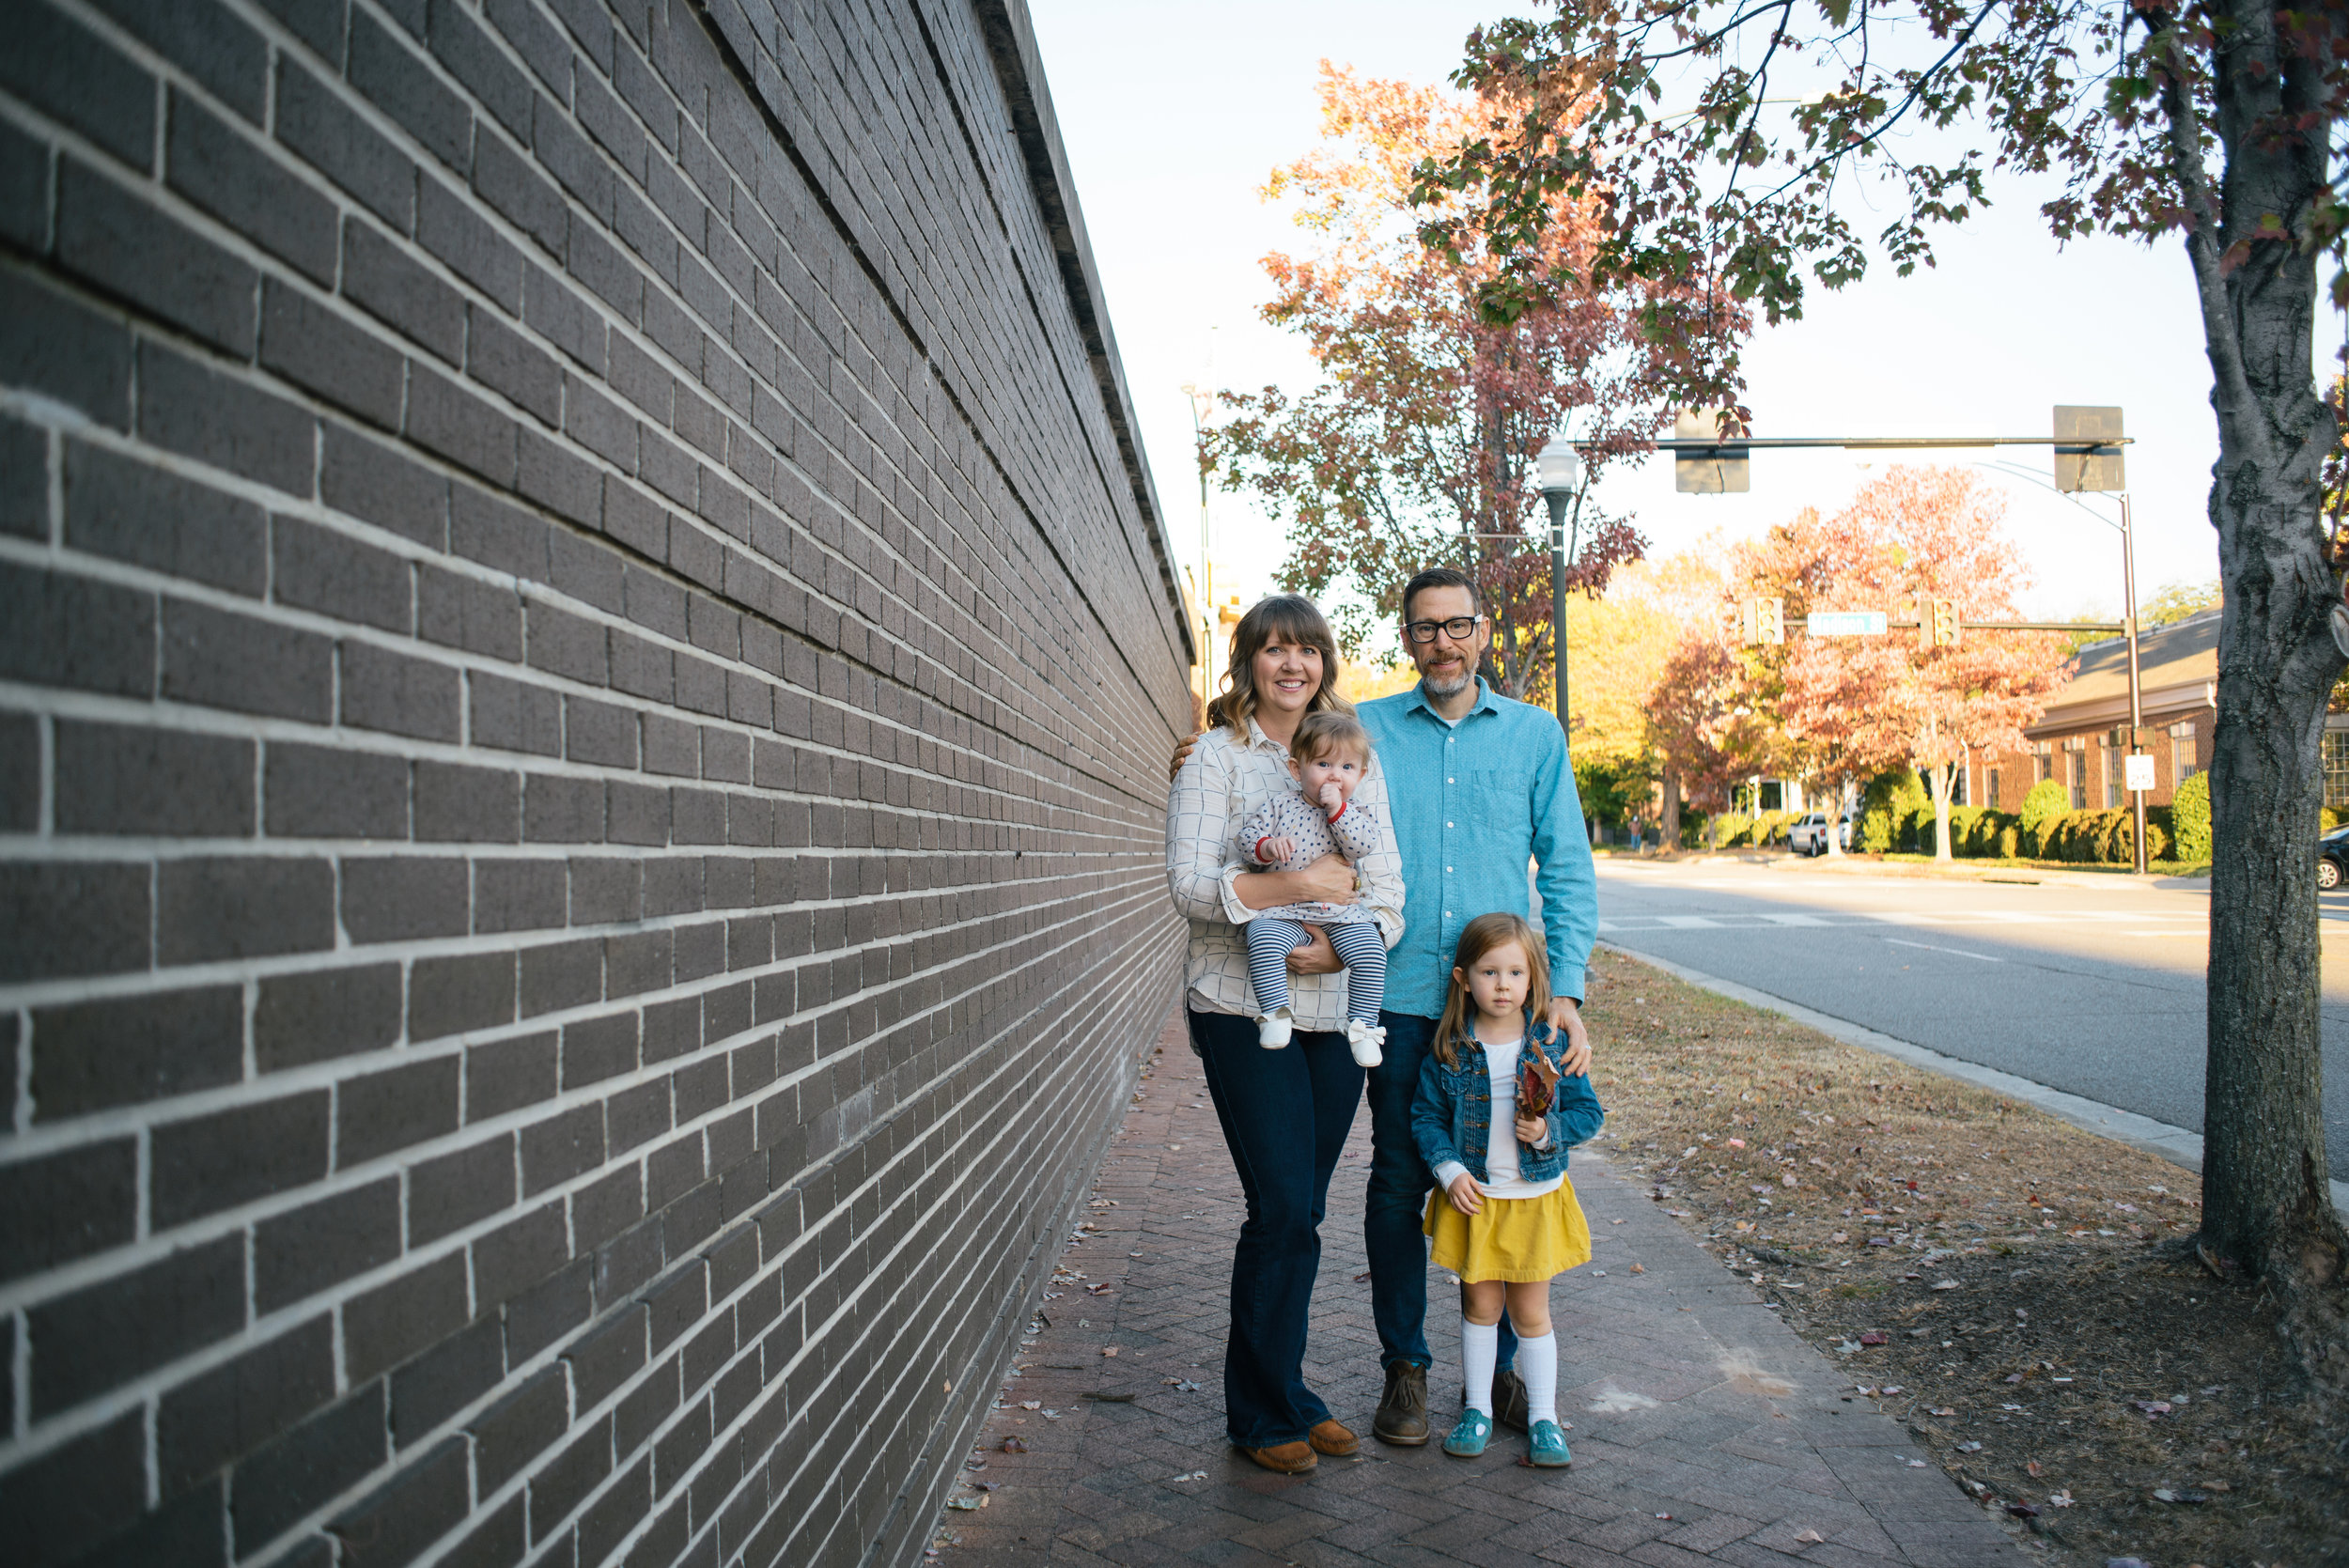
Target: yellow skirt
[(1518, 1240)]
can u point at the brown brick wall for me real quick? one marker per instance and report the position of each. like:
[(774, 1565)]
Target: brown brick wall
[(585, 660)]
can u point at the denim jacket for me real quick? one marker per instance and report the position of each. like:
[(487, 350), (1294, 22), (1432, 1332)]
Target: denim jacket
[(1451, 1112)]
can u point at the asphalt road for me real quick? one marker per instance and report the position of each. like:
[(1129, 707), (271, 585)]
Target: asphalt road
[(2094, 986)]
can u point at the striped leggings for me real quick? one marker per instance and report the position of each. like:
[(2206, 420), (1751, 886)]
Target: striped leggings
[(1272, 940)]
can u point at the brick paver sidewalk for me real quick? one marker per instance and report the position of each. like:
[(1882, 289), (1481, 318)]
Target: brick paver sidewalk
[(1702, 1427)]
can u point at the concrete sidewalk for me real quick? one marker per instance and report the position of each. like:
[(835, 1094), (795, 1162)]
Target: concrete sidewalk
[(1702, 1428)]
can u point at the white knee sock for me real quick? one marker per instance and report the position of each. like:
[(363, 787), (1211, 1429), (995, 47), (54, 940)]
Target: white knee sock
[(1480, 1347), (1537, 1363)]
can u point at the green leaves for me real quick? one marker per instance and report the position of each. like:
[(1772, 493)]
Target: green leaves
[(1744, 197)]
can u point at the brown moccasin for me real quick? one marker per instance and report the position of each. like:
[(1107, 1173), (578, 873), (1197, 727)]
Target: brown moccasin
[(1285, 1458), (1334, 1439)]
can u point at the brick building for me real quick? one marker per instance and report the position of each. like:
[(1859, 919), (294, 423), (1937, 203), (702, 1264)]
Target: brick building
[(587, 656), (2178, 686)]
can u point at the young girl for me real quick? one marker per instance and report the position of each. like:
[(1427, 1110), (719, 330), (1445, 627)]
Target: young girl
[(1506, 1220), (1329, 757)]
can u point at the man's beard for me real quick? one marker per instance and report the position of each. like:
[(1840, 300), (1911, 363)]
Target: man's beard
[(1452, 687)]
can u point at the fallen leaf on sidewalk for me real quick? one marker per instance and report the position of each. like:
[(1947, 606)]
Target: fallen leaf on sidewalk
[(966, 1504), (1111, 1351), (1187, 1475), (1809, 1537), (2030, 1467), (1363, 1277), (2059, 1499), (1032, 1404), (1876, 1336), (1013, 1445)]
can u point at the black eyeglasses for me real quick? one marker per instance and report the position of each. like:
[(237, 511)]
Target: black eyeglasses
[(1459, 629)]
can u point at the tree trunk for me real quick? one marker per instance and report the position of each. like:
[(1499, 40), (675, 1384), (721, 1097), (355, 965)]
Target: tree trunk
[(1667, 831), (1835, 816), (2265, 1197), (1938, 779)]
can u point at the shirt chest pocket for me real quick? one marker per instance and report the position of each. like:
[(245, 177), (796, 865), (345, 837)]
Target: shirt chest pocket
[(1496, 801)]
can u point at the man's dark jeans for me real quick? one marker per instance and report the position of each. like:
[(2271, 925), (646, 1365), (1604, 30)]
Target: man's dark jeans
[(1395, 1211), (1286, 1114)]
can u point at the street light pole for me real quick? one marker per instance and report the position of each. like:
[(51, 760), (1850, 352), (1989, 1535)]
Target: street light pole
[(1202, 403), (1560, 469)]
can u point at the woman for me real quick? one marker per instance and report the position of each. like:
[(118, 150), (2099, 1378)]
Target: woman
[(1285, 1113)]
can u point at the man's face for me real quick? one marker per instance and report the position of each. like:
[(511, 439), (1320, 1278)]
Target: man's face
[(1447, 665)]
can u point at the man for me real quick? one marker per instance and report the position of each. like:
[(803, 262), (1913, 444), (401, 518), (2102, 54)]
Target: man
[(1478, 785)]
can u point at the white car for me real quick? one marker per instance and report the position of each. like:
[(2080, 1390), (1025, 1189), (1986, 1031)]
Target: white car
[(1808, 836)]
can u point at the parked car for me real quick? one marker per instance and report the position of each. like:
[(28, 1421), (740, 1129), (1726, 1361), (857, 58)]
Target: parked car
[(1808, 836), (2332, 858)]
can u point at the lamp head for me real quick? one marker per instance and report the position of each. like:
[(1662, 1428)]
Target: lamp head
[(1559, 465)]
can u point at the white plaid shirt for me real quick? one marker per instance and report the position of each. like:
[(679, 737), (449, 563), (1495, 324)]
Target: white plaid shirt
[(1221, 781)]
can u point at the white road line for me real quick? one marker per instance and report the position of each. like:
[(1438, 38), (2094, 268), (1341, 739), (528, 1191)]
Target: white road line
[(1688, 923), (1794, 919), (1959, 951)]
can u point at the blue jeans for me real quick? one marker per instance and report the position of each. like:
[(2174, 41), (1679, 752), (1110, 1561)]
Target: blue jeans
[(1395, 1209), (1286, 1114)]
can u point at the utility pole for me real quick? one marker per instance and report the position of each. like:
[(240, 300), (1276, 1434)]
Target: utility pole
[(2137, 696)]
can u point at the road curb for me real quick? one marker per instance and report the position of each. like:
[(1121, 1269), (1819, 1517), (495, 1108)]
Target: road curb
[(2176, 1144)]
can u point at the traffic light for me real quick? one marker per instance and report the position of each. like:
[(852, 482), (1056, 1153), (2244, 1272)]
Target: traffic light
[(1941, 623), (1765, 621)]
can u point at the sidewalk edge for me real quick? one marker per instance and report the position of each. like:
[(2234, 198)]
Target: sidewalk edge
[(2175, 1145)]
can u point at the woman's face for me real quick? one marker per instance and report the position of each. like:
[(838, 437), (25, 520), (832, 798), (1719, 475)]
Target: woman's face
[(1286, 674)]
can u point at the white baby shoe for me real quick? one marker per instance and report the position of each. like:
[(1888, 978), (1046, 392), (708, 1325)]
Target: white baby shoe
[(1364, 1039), (1272, 1029)]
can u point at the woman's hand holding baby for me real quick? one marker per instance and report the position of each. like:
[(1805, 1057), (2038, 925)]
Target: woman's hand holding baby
[(1464, 1194)]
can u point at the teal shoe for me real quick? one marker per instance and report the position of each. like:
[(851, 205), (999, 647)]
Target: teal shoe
[(1469, 1437), (1549, 1445)]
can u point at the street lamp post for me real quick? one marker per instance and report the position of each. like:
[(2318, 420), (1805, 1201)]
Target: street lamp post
[(1561, 468)]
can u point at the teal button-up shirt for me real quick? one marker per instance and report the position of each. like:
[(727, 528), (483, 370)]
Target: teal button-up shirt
[(1473, 803)]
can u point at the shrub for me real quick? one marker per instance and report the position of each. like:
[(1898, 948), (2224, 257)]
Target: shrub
[(2189, 817), (2011, 840), (1732, 827), (2047, 801), (1691, 826), (1965, 829), (1770, 826), (1875, 832)]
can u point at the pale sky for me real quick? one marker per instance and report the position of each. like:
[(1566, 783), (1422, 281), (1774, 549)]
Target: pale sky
[(1173, 115)]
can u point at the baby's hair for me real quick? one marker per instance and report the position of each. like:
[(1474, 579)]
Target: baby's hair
[(1320, 734), (1484, 934)]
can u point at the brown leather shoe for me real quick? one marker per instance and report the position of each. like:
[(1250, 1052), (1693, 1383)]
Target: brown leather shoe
[(1402, 1417), (1334, 1439), (1285, 1458)]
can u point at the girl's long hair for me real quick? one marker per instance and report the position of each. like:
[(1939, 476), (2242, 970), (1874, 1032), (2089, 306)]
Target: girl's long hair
[(1291, 618), (1484, 932)]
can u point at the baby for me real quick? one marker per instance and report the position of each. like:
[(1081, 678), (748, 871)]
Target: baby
[(1329, 757)]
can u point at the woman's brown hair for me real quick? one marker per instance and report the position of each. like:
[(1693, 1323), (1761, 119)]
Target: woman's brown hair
[(1289, 619), (1484, 934)]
